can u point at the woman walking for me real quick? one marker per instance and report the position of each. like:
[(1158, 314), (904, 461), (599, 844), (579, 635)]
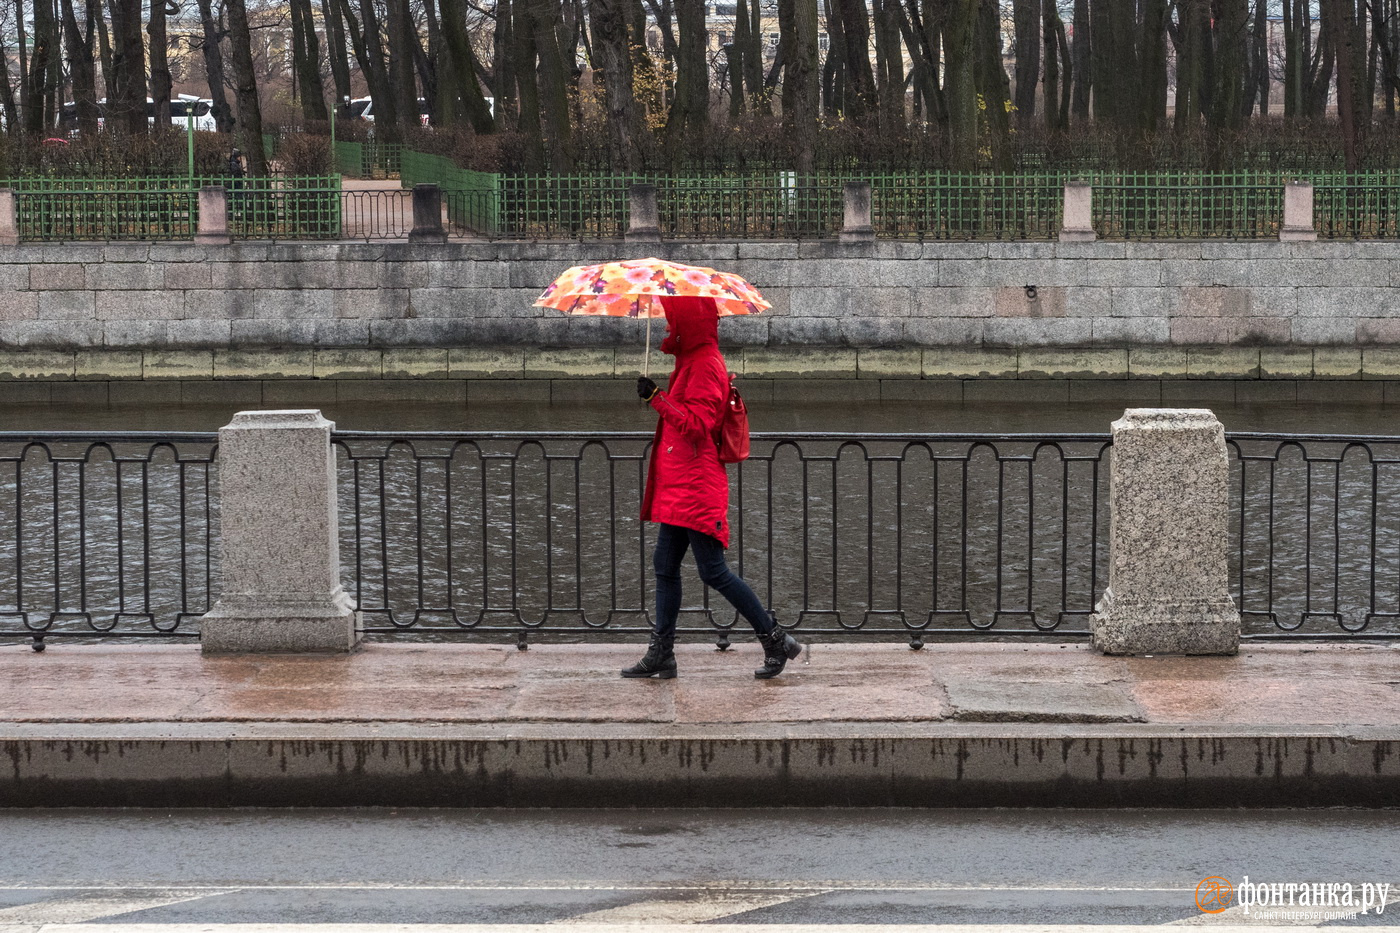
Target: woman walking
[(687, 491)]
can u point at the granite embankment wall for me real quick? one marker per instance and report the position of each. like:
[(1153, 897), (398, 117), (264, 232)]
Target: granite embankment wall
[(888, 319)]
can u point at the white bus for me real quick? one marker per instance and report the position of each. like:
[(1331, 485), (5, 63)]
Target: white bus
[(181, 110)]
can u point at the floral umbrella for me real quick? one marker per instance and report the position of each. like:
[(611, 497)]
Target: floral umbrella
[(635, 287)]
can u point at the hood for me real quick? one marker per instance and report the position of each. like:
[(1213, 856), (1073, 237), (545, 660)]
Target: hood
[(694, 324)]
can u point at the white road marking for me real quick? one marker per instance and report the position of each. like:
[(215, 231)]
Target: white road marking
[(709, 906), (609, 928), (732, 885), (95, 906)]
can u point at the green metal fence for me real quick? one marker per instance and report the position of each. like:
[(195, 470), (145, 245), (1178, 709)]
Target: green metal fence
[(370, 159), (965, 206), (1360, 206), (474, 200), (71, 209), (1199, 205)]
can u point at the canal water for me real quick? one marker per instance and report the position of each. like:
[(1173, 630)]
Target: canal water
[(877, 539)]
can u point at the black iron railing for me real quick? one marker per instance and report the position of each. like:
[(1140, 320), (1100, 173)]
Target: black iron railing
[(915, 536), (107, 535), (1315, 550)]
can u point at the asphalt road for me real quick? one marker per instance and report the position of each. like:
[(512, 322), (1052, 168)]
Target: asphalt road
[(1026, 869)]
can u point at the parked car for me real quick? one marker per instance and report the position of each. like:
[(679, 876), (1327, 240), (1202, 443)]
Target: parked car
[(180, 112)]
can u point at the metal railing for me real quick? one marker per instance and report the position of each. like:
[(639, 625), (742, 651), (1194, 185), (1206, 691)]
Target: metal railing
[(1316, 535), (107, 535), (1164, 206), (445, 535)]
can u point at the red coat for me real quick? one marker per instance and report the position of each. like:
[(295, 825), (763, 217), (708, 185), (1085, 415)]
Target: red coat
[(686, 483)]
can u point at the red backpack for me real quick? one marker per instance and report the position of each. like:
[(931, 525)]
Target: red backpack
[(734, 427)]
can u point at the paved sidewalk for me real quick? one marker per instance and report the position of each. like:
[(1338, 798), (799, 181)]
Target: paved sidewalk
[(1266, 685), (475, 725)]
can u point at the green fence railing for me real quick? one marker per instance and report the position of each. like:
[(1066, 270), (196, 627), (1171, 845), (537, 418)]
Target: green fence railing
[(72, 209), (370, 159)]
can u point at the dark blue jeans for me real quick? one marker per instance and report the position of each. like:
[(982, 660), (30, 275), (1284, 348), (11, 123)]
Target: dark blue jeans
[(671, 544)]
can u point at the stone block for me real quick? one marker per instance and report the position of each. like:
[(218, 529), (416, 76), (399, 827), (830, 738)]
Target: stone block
[(1339, 301), (125, 252), (921, 390), (15, 276), (1208, 301), (36, 366), (289, 304), (143, 394), (182, 275), (140, 305), (1130, 331), (416, 364), (1032, 332), (177, 252), (219, 304), (807, 331), (1176, 273), (809, 363), (179, 364), (1168, 578), (436, 333), (571, 363), (28, 393), (1022, 250), (1139, 302), (343, 363), (957, 302), (305, 274), (242, 275), (201, 392), (592, 390), (1222, 363), (768, 273), (824, 391), (967, 363), (1018, 392), (1118, 391), (67, 306), (1029, 302), (56, 276), (1392, 393), (79, 394), (1378, 363), (1046, 363), (1157, 363), (761, 250), (109, 365), (18, 306), (871, 332), (1271, 302), (1120, 272), (1195, 331), (125, 276), (492, 392), (746, 331), (1345, 392), (211, 334), (428, 391), (293, 392), (1286, 363), (485, 363), (1337, 363), (302, 333), (804, 303), (1199, 392), (1383, 331), (1352, 273), (478, 274), (1162, 249), (536, 276), (1266, 391), (136, 333), (899, 363), (51, 334), (373, 303), (280, 539), (1324, 331), (1256, 331), (955, 249), (263, 364)]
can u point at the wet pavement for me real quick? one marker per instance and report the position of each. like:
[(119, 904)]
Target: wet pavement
[(1268, 685)]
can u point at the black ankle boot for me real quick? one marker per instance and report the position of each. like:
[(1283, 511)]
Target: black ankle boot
[(659, 661), (778, 648)]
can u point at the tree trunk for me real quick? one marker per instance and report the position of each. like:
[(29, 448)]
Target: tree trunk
[(800, 92), (738, 47), (465, 88), (1227, 89), (338, 54), (214, 68), (7, 92), (889, 55), (1025, 17), (993, 85), (960, 87), (78, 41), (373, 62), (38, 118), (689, 116), (834, 71), (753, 52), (612, 60), (402, 37), (1342, 33), (527, 89), (160, 62), (859, 101), (1152, 63), (306, 61), (246, 88), (1082, 60), (126, 92), (553, 86), (1194, 17)]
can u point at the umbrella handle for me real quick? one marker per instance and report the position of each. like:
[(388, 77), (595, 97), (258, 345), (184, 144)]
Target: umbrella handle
[(646, 357)]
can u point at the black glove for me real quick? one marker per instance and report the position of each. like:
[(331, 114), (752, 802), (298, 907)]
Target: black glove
[(646, 388)]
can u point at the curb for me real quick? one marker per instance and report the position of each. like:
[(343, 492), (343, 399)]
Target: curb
[(841, 764)]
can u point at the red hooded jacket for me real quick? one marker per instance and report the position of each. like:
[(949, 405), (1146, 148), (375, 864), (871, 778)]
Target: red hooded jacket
[(686, 483)]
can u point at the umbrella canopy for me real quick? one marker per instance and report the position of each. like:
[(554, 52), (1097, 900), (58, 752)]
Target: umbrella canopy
[(634, 287)]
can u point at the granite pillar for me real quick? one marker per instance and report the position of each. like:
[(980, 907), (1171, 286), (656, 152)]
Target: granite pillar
[(281, 557), (856, 221), (427, 215), (1078, 224), (1298, 213), (213, 217), (643, 216), (1168, 579), (9, 218)]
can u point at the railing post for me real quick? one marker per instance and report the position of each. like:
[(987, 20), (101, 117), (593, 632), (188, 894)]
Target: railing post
[(279, 532), (427, 215), (643, 215), (1298, 212), (213, 217), (9, 217), (1168, 577), (856, 224), (1078, 225)]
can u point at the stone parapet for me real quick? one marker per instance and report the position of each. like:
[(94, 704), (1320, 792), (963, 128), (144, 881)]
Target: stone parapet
[(869, 295)]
